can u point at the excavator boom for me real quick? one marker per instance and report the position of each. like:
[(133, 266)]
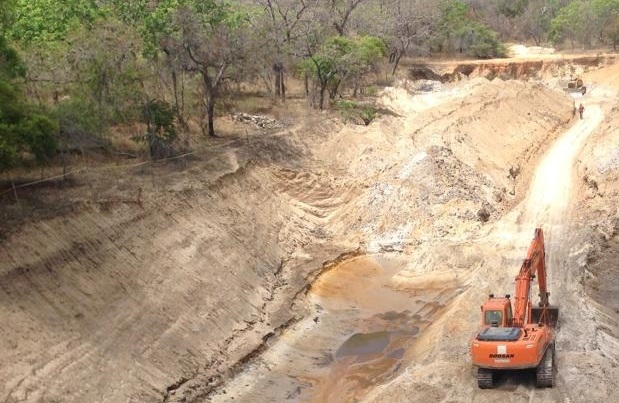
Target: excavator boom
[(535, 262)]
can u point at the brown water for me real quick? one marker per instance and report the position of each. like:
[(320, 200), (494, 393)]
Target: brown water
[(366, 316)]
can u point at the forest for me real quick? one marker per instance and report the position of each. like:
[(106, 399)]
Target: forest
[(71, 71)]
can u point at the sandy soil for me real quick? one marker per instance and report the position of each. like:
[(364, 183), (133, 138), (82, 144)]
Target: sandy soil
[(200, 292)]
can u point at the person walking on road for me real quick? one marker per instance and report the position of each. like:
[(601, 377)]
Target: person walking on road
[(581, 109), (574, 109)]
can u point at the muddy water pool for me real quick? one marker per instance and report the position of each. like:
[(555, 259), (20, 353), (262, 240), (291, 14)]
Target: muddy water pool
[(365, 317)]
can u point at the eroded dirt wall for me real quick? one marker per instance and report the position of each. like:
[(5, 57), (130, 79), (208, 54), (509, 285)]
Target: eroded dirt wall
[(552, 65), (125, 303), (599, 229)]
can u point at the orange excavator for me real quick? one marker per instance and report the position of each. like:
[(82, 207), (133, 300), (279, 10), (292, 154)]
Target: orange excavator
[(524, 340)]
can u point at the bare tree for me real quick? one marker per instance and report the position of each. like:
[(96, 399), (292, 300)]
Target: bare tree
[(285, 17), (411, 23), (341, 13), (403, 24), (207, 48)]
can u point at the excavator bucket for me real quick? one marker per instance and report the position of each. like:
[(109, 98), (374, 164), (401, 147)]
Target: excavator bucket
[(548, 315)]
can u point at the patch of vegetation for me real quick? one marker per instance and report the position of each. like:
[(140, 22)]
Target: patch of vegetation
[(342, 62), (354, 112), (159, 117), (460, 33), (25, 129)]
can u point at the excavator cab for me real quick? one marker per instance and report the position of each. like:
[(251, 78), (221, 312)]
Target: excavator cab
[(497, 312)]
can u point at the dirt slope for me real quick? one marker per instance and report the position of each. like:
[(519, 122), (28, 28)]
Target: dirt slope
[(126, 301), (199, 293), (559, 201)]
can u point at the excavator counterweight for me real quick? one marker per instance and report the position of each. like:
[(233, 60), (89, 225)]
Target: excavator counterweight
[(522, 337)]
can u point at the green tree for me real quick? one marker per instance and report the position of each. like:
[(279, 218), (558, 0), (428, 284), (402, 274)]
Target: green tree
[(160, 128), (9, 117), (342, 60), (23, 128), (7, 13), (39, 133), (458, 32), (51, 20), (607, 14), (202, 36), (81, 58), (574, 22), (108, 71), (479, 41), (322, 68)]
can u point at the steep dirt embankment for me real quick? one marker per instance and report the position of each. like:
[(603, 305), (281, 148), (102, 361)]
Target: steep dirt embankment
[(553, 65), (128, 301), (599, 222)]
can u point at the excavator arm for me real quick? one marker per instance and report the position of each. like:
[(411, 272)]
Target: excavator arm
[(535, 262)]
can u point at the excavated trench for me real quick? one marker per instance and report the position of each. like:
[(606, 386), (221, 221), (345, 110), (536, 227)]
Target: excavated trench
[(369, 314), (212, 288)]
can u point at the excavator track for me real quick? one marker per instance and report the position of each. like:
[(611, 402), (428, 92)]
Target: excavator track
[(544, 369), (485, 378)]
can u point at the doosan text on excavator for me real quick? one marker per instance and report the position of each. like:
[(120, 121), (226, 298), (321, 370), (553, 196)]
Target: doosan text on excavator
[(522, 338)]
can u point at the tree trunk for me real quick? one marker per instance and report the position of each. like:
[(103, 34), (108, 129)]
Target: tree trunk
[(392, 56), (283, 82), (334, 90), (321, 101), (177, 104), (280, 85), (339, 29), (15, 192), (396, 63), (277, 83), (210, 113), (209, 93)]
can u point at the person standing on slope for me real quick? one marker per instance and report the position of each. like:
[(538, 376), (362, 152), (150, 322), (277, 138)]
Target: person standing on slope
[(581, 109)]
